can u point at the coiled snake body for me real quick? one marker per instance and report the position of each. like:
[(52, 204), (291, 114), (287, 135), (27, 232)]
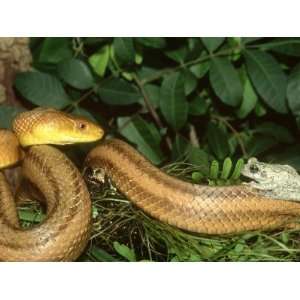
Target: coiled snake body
[(65, 231)]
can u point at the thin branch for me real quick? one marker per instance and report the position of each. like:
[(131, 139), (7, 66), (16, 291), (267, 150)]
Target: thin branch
[(193, 136), (234, 131), (78, 101), (147, 102), (150, 108), (125, 124), (161, 73)]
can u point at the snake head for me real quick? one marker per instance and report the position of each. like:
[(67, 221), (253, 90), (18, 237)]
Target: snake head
[(50, 126)]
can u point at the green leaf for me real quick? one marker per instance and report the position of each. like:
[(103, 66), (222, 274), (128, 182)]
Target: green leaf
[(99, 60), (227, 166), (287, 46), (268, 78), (249, 100), (239, 248), (260, 144), (7, 115), (200, 158), (152, 42), (260, 109), (190, 82), (101, 255), (289, 156), (198, 106), (78, 111), (124, 50), (285, 237), (96, 41), (153, 93), (76, 73), (199, 70), (30, 216), (117, 91), (293, 90), (225, 81), (55, 49), (197, 177), (237, 169), (42, 89), (298, 121), (280, 133), (248, 40), (218, 141), (234, 42), (145, 72), (214, 170), (145, 135), (179, 147), (233, 144), (212, 43), (138, 58), (127, 75), (195, 48), (173, 104), (124, 251), (178, 55)]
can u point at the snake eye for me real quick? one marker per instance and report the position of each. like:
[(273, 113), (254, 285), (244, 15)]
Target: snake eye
[(81, 126), (254, 169)]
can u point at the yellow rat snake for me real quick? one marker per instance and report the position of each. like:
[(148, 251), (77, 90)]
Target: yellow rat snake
[(64, 233)]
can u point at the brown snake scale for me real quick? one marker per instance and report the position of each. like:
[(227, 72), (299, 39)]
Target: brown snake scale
[(65, 232), (197, 208)]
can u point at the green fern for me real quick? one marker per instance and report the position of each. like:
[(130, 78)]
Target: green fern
[(228, 174)]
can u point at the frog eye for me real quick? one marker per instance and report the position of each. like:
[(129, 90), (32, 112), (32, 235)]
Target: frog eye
[(254, 169)]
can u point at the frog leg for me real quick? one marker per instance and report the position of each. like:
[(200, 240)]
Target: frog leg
[(282, 194), (287, 194), (261, 186)]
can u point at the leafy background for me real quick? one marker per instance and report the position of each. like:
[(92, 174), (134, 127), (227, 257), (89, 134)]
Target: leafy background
[(196, 100)]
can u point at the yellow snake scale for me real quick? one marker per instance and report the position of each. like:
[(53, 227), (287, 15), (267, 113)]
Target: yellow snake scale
[(64, 233)]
